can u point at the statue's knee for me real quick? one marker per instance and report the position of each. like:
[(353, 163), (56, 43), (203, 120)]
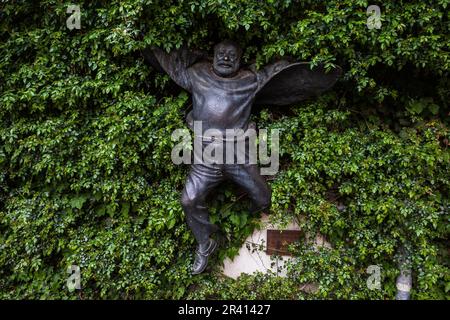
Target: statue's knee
[(188, 202), (265, 204), (264, 201)]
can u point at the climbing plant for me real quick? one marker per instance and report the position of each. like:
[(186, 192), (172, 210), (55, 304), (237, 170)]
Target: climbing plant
[(85, 141)]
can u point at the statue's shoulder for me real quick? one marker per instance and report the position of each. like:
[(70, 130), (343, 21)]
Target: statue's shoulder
[(248, 71), (203, 65), (201, 69)]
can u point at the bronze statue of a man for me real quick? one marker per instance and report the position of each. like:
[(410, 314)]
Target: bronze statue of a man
[(223, 94)]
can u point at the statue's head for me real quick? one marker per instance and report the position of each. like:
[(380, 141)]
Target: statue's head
[(227, 57)]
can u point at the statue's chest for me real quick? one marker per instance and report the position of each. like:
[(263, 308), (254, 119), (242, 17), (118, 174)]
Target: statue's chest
[(212, 88)]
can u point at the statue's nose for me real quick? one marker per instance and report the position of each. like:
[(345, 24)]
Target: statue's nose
[(226, 58)]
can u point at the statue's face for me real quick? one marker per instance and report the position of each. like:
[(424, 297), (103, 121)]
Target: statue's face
[(226, 60)]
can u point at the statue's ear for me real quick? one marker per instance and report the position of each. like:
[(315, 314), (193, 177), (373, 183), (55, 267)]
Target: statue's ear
[(294, 82)]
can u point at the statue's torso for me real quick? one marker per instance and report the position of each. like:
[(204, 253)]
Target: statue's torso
[(221, 103)]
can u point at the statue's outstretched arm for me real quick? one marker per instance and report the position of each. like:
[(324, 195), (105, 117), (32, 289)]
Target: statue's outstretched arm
[(175, 63), (284, 83), (264, 74)]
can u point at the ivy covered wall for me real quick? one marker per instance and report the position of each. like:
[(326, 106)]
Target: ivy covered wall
[(85, 171)]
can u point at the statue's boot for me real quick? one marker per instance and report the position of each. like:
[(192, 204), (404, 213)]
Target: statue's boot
[(204, 250)]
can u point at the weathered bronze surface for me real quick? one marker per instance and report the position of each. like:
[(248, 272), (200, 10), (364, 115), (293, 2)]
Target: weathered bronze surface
[(223, 94)]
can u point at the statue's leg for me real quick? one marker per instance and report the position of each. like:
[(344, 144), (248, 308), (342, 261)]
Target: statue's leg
[(200, 182), (248, 177)]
